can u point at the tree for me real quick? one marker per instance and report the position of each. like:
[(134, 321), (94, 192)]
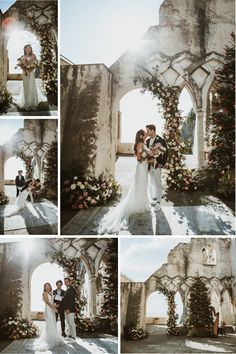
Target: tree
[(110, 305), (218, 171), (199, 320)]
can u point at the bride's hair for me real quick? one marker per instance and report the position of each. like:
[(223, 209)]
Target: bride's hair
[(26, 46), (138, 139), (44, 287)]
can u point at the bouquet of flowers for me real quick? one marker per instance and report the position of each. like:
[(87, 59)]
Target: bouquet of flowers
[(16, 329), (152, 153), (26, 64)]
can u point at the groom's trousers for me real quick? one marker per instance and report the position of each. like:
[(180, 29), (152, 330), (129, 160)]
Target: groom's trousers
[(155, 185), (70, 320)]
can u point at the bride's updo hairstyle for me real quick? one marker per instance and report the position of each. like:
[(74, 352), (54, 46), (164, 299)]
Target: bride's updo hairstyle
[(138, 139), (44, 287), (26, 46)]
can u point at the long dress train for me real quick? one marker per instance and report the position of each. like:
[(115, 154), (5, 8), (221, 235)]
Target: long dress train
[(135, 202), (49, 338), (19, 204)]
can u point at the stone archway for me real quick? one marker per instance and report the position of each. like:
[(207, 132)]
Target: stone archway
[(33, 140), (184, 58), (35, 17)]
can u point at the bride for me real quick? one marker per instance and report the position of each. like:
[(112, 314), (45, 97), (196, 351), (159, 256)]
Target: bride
[(49, 338), (29, 187), (30, 95), (137, 200)]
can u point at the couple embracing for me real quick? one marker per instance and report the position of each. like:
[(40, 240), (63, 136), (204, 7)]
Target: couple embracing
[(24, 189), (146, 188)]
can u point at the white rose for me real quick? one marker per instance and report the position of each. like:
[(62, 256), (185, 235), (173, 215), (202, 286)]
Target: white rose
[(73, 186)]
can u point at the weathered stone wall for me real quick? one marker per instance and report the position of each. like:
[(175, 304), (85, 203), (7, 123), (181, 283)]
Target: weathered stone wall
[(86, 119), (211, 259), (133, 304), (34, 140), (17, 266)]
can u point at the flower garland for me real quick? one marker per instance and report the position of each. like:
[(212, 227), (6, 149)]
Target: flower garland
[(27, 161), (177, 175), (5, 98), (48, 62), (88, 191)]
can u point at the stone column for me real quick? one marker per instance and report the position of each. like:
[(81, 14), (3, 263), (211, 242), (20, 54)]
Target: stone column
[(93, 300), (1, 170), (199, 131), (1, 49)]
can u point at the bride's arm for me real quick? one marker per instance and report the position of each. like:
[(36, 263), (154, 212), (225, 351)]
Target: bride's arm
[(45, 297), (139, 151)]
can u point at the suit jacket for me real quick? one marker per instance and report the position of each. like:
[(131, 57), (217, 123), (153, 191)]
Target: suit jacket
[(69, 299), (61, 303), (160, 160), (20, 182), (26, 184)]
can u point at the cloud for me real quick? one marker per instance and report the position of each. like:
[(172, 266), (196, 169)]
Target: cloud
[(142, 257)]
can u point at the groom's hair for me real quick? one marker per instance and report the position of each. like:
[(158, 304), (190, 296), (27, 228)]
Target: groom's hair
[(20, 171), (151, 127), (67, 279), (59, 281)]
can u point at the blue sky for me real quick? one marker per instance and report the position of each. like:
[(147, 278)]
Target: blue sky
[(99, 31), (5, 4), (141, 257)]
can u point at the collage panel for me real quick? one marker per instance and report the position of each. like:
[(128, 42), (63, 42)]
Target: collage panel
[(29, 58), (178, 295), (28, 176), (140, 143), (50, 284)]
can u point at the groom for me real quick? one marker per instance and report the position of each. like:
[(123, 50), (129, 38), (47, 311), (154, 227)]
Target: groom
[(155, 185), (69, 307), (19, 182)]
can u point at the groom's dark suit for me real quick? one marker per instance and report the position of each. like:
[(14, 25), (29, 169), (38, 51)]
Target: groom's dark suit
[(60, 309), (20, 182), (69, 299), (160, 160)]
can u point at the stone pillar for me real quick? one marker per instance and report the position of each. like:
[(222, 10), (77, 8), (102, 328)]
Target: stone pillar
[(1, 49), (199, 141), (26, 293), (1, 170), (93, 304)]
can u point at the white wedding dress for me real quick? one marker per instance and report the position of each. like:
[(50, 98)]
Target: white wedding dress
[(30, 95), (49, 338), (136, 201), (19, 204)]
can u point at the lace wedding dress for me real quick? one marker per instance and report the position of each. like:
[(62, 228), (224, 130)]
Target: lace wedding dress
[(49, 338), (135, 202), (30, 95), (19, 204)]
